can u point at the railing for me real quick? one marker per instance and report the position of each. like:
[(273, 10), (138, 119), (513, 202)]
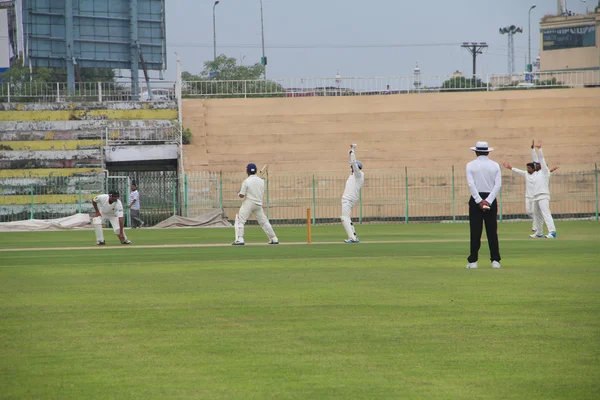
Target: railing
[(407, 195), (294, 87), (146, 135), (58, 92)]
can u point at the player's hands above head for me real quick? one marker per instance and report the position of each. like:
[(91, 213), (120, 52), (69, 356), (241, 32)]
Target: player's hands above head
[(539, 145), (532, 143)]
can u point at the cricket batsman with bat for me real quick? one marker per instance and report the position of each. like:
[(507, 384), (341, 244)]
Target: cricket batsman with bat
[(252, 192), (108, 208), (351, 194)]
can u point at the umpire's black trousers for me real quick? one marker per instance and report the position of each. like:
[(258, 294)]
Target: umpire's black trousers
[(476, 219)]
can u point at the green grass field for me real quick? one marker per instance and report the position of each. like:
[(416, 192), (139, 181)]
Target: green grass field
[(396, 316)]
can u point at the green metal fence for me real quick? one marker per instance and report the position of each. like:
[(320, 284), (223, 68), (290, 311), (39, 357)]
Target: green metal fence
[(403, 195)]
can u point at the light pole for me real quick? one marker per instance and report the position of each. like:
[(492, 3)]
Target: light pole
[(262, 32), (215, 32), (529, 31)]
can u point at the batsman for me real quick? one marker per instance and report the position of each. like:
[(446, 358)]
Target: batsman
[(252, 193), (351, 194)]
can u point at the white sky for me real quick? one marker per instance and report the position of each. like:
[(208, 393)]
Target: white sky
[(316, 38)]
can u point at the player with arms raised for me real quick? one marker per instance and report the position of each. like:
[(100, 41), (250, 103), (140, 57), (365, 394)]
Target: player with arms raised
[(351, 194)]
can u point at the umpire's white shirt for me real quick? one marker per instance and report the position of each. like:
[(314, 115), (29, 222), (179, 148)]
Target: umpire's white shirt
[(109, 210), (253, 189), (484, 176)]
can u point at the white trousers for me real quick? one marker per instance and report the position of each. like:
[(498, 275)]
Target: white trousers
[(247, 209), (114, 222), (529, 210), (541, 209), (346, 220)]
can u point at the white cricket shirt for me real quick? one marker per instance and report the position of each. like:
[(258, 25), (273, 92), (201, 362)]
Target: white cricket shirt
[(529, 181), (353, 185), (483, 175), (253, 189), (109, 210), (135, 195)]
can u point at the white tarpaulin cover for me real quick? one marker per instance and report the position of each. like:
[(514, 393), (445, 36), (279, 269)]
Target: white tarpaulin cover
[(210, 219), (71, 222)]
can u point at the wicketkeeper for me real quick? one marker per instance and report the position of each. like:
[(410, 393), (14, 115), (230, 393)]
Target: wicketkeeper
[(252, 192), (108, 208), (351, 194)]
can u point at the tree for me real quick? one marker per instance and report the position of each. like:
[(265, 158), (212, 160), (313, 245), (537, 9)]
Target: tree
[(226, 69), (460, 82), (242, 81), (18, 73)]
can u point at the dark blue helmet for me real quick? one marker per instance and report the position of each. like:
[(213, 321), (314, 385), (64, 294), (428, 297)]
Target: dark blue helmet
[(251, 169)]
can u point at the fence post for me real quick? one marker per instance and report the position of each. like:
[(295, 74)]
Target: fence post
[(175, 197), (406, 192), (245, 88), (32, 202), (221, 190), (57, 92), (267, 194), (79, 187), (100, 92), (453, 197), (314, 200), (8, 85), (500, 204), (596, 173), (185, 193), (360, 209)]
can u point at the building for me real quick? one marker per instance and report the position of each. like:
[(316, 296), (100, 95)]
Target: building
[(571, 43)]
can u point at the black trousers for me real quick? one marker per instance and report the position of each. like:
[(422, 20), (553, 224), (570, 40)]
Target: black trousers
[(476, 219)]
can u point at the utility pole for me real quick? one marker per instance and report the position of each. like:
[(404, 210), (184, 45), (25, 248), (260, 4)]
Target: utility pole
[(474, 49)]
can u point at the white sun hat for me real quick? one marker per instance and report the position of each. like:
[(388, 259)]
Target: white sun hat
[(482, 146)]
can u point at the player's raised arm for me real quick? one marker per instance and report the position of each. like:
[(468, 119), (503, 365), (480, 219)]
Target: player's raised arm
[(353, 161)]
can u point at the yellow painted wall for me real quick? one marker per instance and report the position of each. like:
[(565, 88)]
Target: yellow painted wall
[(62, 115), (49, 144), (45, 172), (45, 199)]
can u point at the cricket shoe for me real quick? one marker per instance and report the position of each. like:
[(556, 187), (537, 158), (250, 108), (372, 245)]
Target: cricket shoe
[(472, 265), (237, 243), (141, 224), (551, 235), (126, 241), (536, 236), (102, 243), (352, 241), (274, 241), (495, 264)]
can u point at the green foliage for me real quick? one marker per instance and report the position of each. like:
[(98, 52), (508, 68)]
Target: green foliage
[(20, 74), (242, 80), (226, 69), (462, 83)]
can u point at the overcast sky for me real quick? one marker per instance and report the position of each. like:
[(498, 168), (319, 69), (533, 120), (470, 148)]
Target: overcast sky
[(316, 38)]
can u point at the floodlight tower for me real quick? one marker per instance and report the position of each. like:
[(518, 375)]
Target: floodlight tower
[(510, 31)]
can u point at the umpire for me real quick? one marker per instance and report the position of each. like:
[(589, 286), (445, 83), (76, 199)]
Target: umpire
[(484, 180)]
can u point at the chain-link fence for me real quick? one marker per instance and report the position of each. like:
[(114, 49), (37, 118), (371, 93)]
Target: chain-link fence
[(404, 195)]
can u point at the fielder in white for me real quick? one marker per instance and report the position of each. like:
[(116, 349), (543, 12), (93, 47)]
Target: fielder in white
[(351, 194), (252, 192), (538, 190), (108, 208)]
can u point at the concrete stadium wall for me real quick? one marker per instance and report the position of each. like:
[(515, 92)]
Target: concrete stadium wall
[(415, 131)]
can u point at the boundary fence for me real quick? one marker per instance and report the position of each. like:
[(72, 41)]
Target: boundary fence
[(408, 195)]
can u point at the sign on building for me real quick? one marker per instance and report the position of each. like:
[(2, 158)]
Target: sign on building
[(568, 38)]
